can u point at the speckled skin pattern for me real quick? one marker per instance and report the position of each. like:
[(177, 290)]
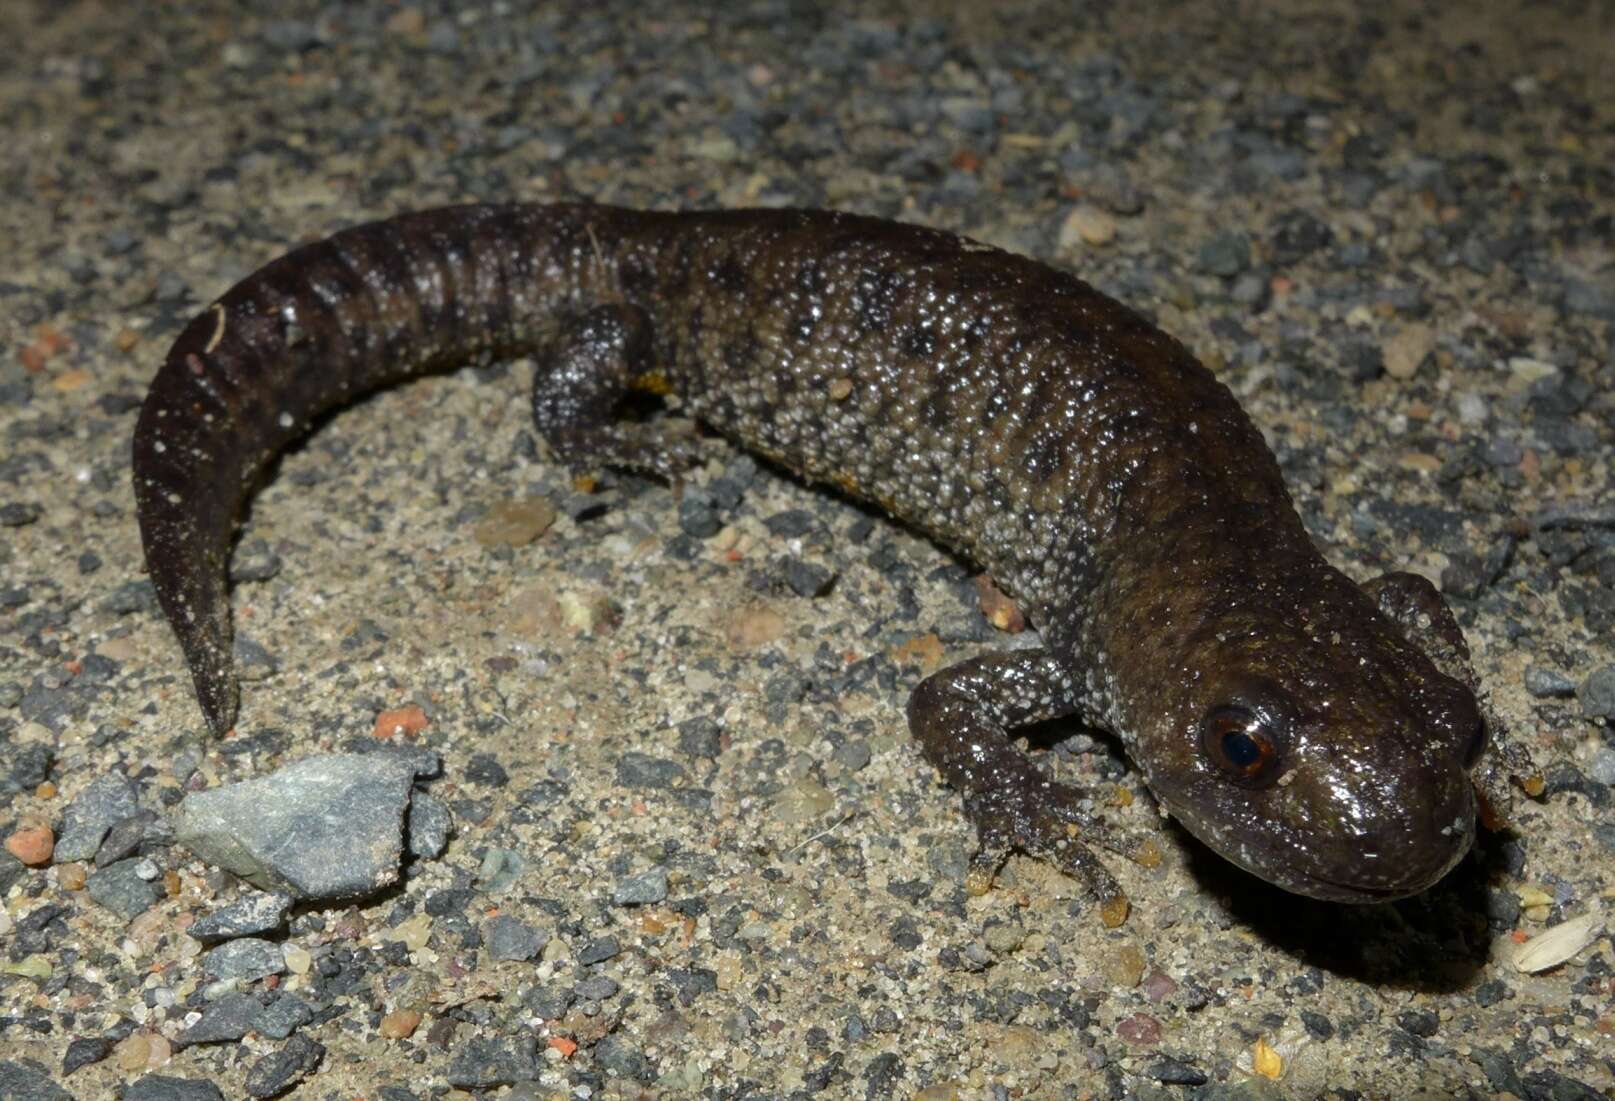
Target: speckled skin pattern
[(1317, 733)]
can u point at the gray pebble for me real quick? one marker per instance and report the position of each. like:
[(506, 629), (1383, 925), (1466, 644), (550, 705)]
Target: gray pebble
[(700, 737), (18, 514), (284, 1016), (1597, 693), (500, 869), (598, 951), (548, 1002), (253, 661), (488, 1061), (28, 1081), (1225, 255), (641, 770), (254, 561), (807, 579), (596, 988), (254, 912), (229, 1018), (508, 938), (124, 838), (131, 597), (322, 827), (854, 756), (428, 826), (1602, 767), (615, 1054), (84, 1051), (246, 960), (637, 890), (1548, 683), (279, 1071), (107, 801), (164, 1087), (124, 888), (698, 516)]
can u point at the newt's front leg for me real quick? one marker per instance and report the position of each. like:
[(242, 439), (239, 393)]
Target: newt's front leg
[(962, 717)]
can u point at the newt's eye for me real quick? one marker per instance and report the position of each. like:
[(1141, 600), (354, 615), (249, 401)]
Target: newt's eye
[(1240, 744)]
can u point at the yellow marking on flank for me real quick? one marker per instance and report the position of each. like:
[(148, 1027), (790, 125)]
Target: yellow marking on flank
[(218, 328)]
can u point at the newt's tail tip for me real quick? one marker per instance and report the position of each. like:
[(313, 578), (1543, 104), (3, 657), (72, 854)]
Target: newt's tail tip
[(219, 694)]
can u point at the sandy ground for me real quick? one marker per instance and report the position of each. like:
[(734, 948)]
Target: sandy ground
[(1391, 236)]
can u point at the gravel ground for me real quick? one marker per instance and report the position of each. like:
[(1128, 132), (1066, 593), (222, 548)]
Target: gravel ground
[(690, 848)]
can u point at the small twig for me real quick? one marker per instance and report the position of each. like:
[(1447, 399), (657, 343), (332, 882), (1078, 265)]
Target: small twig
[(825, 833)]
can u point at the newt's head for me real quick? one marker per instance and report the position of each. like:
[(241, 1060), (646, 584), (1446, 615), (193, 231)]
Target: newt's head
[(1306, 739)]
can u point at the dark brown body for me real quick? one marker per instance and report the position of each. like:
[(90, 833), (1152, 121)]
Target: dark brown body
[(1051, 434)]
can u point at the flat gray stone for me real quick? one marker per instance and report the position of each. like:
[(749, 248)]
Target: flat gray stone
[(107, 801), (284, 1016), (28, 1081), (508, 938), (323, 827), (484, 1062), (124, 887), (254, 912), (638, 890), (163, 1087), (279, 1071), (247, 959), (229, 1018), (428, 829)]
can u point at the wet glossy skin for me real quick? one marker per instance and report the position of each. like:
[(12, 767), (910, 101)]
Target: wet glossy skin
[(1319, 736)]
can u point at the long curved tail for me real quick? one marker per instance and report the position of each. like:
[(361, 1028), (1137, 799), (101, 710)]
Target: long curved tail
[(316, 328)]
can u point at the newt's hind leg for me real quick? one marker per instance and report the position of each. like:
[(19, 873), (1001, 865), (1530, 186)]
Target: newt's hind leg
[(962, 717), (1412, 603), (593, 363)]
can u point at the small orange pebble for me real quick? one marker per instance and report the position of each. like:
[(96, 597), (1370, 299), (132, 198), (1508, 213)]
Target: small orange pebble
[(400, 1024), (33, 845), (926, 650), (71, 877), (966, 160), (407, 721), (126, 340), (564, 1046), (1002, 612), (46, 790), (1113, 913)]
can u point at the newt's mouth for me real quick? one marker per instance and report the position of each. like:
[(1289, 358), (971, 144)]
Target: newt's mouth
[(1373, 877), (1336, 869)]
